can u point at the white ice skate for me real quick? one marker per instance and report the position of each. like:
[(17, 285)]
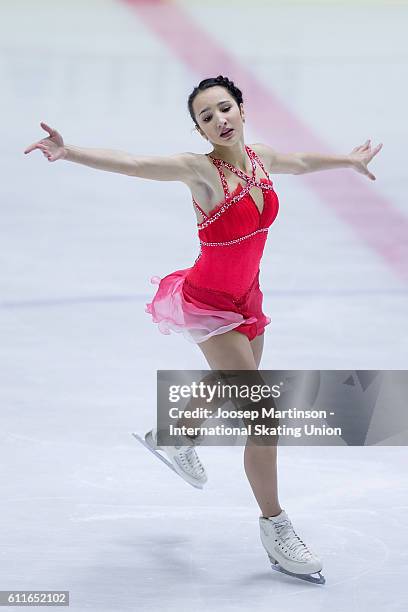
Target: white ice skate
[(181, 459), (287, 552)]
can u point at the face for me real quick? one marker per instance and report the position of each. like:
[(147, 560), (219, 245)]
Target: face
[(216, 111)]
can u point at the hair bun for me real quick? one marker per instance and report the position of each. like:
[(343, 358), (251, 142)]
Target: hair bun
[(210, 82)]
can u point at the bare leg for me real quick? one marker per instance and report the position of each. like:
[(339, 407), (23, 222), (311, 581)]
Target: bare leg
[(261, 461), (233, 351), (256, 346), (261, 469)]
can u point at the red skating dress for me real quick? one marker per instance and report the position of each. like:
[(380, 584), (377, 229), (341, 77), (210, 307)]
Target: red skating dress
[(220, 292)]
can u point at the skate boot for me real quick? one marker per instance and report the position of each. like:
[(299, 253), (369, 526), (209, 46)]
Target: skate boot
[(287, 552), (181, 459)]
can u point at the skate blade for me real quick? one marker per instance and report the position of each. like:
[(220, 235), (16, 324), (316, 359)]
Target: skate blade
[(163, 459), (306, 577)]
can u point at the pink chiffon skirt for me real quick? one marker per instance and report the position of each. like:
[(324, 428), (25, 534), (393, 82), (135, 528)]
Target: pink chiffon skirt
[(199, 313)]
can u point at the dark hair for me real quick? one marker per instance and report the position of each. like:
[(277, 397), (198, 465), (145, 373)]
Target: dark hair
[(220, 80)]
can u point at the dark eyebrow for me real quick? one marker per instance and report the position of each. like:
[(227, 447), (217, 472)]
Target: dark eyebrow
[(207, 109)]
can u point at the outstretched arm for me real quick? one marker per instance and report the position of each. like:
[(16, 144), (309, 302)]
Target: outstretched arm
[(301, 163), (182, 167)]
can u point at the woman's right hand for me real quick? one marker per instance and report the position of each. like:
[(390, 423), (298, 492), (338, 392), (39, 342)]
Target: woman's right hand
[(52, 147)]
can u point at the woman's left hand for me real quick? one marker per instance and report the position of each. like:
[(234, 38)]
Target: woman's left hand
[(362, 155)]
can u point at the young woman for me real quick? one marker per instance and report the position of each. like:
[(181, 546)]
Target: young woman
[(217, 303)]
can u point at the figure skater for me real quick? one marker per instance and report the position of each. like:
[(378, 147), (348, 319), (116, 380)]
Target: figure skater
[(217, 303)]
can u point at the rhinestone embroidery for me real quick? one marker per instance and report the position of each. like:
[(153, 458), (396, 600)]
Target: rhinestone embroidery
[(199, 209), (251, 152), (262, 229), (250, 182)]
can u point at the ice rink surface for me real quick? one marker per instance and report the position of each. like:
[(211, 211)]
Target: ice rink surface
[(83, 507)]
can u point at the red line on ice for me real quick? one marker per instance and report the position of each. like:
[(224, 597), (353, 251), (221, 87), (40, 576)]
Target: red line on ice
[(355, 200)]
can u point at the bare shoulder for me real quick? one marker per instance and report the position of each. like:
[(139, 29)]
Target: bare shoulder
[(205, 185), (265, 153), (279, 163), (201, 167), (190, 166)]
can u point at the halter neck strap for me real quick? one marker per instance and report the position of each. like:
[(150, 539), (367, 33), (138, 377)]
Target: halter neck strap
[(258, 160), (220, 163)]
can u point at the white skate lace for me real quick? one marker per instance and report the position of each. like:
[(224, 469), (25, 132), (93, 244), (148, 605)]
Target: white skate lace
[(190, 461), (292, 541)]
